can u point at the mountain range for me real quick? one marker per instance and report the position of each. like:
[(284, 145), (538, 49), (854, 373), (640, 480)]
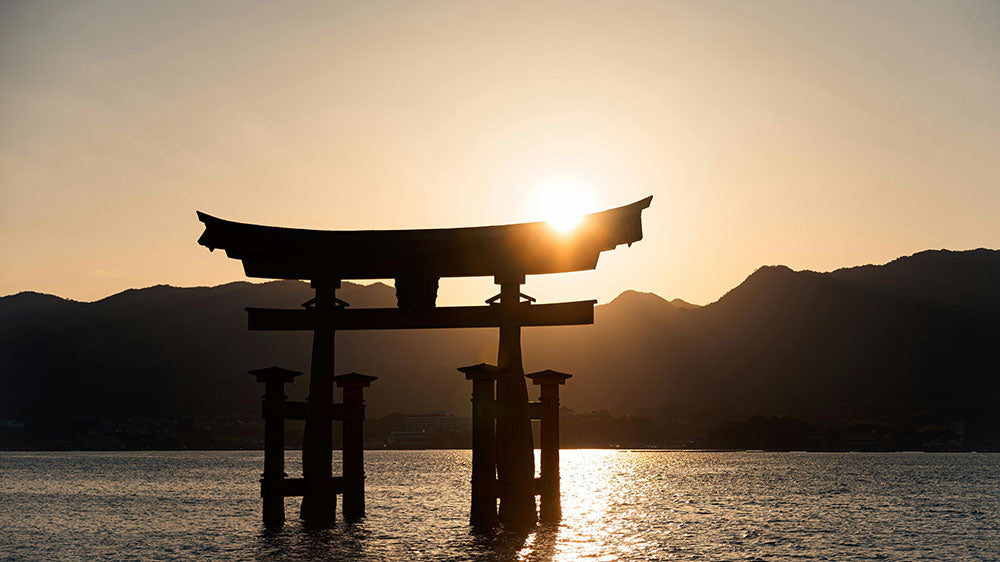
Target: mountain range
[(916, 340)]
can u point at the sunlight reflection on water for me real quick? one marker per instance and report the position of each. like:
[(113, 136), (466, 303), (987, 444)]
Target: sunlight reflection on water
[(617, 505)]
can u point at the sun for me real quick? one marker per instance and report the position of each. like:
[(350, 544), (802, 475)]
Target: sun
[(565, 221), (563, 204)]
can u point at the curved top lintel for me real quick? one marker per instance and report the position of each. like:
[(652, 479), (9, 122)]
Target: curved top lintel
[(512, 249)]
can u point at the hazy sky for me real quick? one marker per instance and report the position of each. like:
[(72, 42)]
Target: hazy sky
[(811, 134)]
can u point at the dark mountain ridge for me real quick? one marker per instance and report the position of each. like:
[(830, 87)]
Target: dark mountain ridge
[(916, 340)]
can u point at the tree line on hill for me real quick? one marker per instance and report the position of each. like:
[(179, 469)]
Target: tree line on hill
[(911, 347), (578, 430)]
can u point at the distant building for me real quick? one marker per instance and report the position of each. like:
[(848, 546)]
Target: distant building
[(438, 420), (409, 440), (421, 429)]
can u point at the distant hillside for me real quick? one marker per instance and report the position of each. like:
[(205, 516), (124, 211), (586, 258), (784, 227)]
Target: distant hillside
[(915, 340)]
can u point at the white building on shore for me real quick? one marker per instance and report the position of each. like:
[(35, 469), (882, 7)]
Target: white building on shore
[(420, 429)]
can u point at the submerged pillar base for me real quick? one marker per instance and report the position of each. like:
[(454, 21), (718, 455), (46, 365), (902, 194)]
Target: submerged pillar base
[(548, 481), (353, 457), (483, 512), (271, 482)]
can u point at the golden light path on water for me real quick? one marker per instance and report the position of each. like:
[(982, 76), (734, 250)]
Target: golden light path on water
[(683, 505), (595, 483), (616, 505)]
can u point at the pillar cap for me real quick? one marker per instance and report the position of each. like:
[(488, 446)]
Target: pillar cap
[(482, 371), (548, 376), (274, 373), (353, 379)]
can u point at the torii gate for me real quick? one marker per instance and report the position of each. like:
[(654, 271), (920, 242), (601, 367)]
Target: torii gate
[(417, 259)]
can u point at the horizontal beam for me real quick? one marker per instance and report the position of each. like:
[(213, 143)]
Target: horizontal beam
[(557, 314)]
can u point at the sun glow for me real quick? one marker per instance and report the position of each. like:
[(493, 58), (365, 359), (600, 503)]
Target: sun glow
[(565, 221), (563, 204)]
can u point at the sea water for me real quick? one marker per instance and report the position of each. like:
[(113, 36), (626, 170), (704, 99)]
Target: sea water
[(617, 505)]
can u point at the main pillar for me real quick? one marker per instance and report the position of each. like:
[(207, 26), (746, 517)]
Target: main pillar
[(354, 443), (549, 381), (515, 454), (319, 500), (483, 513), (272, 481)]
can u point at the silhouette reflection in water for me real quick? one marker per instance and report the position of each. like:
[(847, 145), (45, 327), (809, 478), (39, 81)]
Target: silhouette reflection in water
[(617, 505)]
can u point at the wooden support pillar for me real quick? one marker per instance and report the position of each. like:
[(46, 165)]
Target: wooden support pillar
[(549, 381), (271, 482), (483, 513), (353, 385), (515, 454), (319, 500)]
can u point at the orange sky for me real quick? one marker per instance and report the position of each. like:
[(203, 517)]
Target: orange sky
[(811, 134)]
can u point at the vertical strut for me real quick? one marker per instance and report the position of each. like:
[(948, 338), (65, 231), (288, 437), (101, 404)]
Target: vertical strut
[(515, 455), (353, 443), (319, 501)]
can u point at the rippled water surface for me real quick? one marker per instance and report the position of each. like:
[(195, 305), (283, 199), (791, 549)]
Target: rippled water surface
[(617, 505)]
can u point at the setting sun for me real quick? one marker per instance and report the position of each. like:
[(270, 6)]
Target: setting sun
[(563, 204), (565, 221)]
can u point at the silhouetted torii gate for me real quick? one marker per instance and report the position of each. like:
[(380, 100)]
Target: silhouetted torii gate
[(416, 260)]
